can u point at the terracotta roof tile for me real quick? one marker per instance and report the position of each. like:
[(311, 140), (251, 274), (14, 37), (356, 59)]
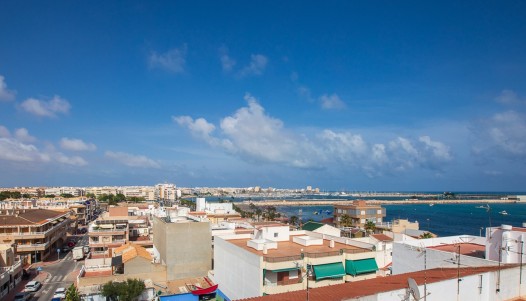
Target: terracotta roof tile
[(381, 237), (130, 251), (370, 287), (29, 216)]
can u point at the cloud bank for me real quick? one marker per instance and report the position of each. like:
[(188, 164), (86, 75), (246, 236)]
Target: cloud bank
[(42, 108)]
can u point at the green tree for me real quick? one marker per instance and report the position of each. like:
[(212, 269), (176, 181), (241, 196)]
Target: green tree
[(119, 197), (26, 195), (293, 220), (67, 195), (370, 226), (426, 235), (123, 291), (90, 195), (72, 293), (49, 196), (258, 213), (270, 213), (345, 220)]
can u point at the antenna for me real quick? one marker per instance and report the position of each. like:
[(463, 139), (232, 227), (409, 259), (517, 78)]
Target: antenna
[(413, 288)]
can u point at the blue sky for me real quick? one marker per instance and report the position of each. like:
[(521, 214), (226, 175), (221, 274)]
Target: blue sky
[(340, 95)]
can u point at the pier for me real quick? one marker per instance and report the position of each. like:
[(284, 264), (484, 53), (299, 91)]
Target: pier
[(325, 202)]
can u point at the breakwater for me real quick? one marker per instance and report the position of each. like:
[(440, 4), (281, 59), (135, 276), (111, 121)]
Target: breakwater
[(325, 202)]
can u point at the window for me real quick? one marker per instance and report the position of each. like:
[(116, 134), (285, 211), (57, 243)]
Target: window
[(276, 234), (293, 274)]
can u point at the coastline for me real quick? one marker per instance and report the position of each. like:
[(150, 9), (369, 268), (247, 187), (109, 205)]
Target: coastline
[(324, 202)]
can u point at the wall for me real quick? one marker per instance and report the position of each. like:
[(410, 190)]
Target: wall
[(185, 248), (237, 271)]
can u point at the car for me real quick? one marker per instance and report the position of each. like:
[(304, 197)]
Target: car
[(60, 293), (32, 286), (22, 296)]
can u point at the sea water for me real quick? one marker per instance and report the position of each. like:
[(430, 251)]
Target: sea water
[(441, 219)]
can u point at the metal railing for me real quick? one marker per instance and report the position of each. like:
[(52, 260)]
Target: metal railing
[(24, 247), (322, 254), (22, 234)]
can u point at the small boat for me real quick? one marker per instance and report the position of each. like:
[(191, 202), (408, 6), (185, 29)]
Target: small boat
[(431, 205), (503, 212), (482, 207)]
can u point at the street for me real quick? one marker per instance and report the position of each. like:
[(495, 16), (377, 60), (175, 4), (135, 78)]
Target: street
[(61, 273)]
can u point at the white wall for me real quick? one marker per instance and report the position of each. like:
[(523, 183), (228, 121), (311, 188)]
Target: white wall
[(237, 271), (511, 244)]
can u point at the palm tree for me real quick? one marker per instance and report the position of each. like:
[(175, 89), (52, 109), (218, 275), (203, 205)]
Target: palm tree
[(370, 226), (293, 220), (426, 235), (345, 220)]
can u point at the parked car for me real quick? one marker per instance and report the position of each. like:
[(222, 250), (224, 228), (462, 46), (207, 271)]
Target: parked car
[(22, 296), (32, 286), (60, 293)]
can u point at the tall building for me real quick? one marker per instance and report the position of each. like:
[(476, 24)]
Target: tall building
[(165, 192)]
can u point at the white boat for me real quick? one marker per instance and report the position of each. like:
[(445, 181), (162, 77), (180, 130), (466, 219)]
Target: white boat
[(431, 204), (503, 212)]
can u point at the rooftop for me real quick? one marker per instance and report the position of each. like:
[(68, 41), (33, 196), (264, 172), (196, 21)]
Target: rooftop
[(369, 287), (29, 216), (290, 248), (469, 249)]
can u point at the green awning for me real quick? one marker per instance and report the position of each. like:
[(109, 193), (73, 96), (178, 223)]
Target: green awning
[(285, 270), (331, 270), (363, 266)]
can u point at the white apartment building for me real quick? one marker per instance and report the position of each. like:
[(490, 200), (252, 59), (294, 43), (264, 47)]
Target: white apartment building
[(57, 191), (274, 260), (165, 192)]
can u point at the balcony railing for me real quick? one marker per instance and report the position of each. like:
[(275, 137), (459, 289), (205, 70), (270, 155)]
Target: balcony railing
[(23, 234), (282, 259), (32, 247), (322, 254)]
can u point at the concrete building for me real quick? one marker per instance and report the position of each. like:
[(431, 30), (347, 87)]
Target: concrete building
[(36, 233), (506, 243), (10, 269), (183, 245), (438, 284), (273, 260), (359, 212), (165, 192)]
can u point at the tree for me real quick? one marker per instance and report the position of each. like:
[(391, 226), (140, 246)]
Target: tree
[(123, 291), (72, 293), (90, 195), (119, 197), (293, 220), (258, 213), (67, 195), (426, 235), (370, 226), (270, 213), (345, 220)]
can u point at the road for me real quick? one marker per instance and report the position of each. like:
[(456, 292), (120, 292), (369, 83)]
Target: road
[(60, 274)]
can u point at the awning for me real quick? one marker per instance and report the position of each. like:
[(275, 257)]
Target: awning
[(284, 270), (363, 266), (331, 270)]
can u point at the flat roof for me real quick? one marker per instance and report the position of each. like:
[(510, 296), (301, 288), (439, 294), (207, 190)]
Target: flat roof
[(290, 248)]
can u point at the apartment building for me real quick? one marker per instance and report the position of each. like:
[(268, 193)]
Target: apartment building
[(36, 233), (165, 192), (116, 228), (10, 269), (274, 260), (359, 213)]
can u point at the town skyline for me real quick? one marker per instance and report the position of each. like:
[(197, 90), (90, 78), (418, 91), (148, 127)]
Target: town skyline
[(350, 96)]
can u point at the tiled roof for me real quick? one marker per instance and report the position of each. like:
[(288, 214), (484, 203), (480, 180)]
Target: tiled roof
[(469, 249), (29, 217), (381, 237), (374, 286), (130, 251)]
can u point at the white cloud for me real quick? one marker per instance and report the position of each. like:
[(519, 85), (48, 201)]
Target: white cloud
[(331, 102), (257, 65), (22, 135), (509, 97), (14, 150), (49, 108), (76, 145), (227, 63), (73, 160), (132, 160), (4, 132), (251, 134), (5, 94), (173, 60)]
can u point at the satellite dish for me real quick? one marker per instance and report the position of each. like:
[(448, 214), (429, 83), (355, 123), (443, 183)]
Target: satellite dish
[(413, 288)]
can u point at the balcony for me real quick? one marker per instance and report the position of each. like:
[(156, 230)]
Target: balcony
[(10, 270), (33, 235), (110, 244), (109, 231), (283, 286), (31, 247)]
